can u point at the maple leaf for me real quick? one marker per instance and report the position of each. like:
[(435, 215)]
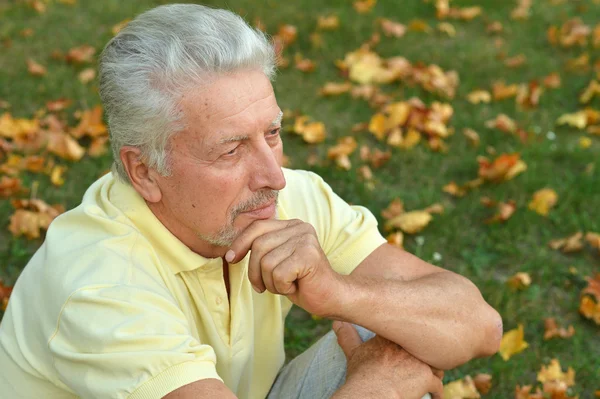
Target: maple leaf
[(519, 281), (10, 186), (512, 343), (81, 54), (461, 389), (502, 122), (483, 383), (543, 200), (504, 167), (501, 91), (589, 92), (35, 69), (90, 124), (479, 96), (551, 330), (312, 133), (593, 239), (569, 244), (304, 64), (554, 373), (31, 216), (410, 222), (525, 392), (329, 22), (505, 211), (64, 146), (395, 208)]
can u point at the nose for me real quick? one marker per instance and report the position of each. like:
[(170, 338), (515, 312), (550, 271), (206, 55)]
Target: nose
[(267, 171)]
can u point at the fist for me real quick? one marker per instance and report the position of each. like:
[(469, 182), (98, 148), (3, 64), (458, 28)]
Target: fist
[(287, 259)]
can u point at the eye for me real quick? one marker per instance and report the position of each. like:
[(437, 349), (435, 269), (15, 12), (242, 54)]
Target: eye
[(232, 152), (274, 132)]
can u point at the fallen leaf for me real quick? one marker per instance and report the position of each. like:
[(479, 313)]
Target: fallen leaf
[(329, 22), (454, 189), (573, 243), (551, 330), (64, 146), (494, 27), (552, 81), (516, 61), (56, 176), (5, 292), (436, 208), (589, 92), (512, 343), (483, 383), (395, 208), (522, 11), (98, 147), (335, 89), (304, 64), (447, 28), (579, 64), (472, 136), (396, 239), (312, 133), (81, 54), (87, 75), (461, 389), (593, 239), (554, 373), (391, 28), (10, 186), (479, 96), (501, 91), (410, 222), (38, 5), (35, 69), (418, 25), (543, 200), (90, 124), (585, 142), (576, 119), (119, 26), (364, 6), (525, 392), (504, 167), (519, 281), (502, 122), (31, 216)]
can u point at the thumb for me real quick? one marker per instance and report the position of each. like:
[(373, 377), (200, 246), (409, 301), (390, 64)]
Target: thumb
[(347, 337)]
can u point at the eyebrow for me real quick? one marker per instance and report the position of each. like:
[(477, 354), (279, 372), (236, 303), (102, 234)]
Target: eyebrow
[(243, 137)]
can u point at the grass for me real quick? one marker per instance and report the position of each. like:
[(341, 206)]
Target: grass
[(487, 254)]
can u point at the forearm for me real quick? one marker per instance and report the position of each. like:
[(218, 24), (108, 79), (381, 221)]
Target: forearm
[(439, 318)]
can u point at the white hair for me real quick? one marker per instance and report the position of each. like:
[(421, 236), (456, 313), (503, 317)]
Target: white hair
[(147, 66)]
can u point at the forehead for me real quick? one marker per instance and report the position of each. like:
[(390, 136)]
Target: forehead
[(228, 103)]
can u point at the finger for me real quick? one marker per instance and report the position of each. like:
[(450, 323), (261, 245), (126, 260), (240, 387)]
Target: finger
[(242, 244), (438, 373), (279, 269), (436, 388), (262, 246), (347, 337)]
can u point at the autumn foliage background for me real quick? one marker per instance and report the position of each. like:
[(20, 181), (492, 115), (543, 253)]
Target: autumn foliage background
[(471, 129)]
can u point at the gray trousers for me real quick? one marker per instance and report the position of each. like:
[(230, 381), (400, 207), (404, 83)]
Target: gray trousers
[(318, 372)]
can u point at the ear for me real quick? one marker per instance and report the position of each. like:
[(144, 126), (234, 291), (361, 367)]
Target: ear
[(142, 178)]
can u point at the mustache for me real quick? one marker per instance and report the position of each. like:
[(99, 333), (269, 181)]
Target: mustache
[(260, 198)]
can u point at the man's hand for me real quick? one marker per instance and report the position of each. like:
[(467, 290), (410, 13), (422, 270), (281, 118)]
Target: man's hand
[(379, 368), (287, 259)]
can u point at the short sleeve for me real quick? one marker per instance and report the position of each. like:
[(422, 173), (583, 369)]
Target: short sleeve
[(348, 234), (121, 341)]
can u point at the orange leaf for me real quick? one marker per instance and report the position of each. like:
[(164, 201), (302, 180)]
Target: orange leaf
[(87, 75), (504, 167), (396, 239), (483, 383), (35, 69), (5, 292), (364, 6), (10, 186), (569, 244), (552, 81), (454, 189), (81, 54), (516, 61), (58, 105), (551, 330), (395, 208), (90, 124), (410, 222), (64, 146)]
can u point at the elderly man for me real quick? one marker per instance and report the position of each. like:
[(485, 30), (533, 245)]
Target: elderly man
[(174, 276)]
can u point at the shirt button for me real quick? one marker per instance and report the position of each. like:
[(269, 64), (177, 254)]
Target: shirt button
[(219, 301)]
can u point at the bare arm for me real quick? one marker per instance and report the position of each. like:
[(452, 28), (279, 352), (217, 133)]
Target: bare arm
[(203, 389), (438, 316)]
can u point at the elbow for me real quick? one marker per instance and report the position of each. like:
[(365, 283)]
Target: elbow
[(492, 333)]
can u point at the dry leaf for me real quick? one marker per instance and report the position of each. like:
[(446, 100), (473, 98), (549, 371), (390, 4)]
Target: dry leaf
[(569, 244), (472, 136), (543, 200), (454, 189), (593, 239), (90, 124), (551, 330), (502, 122), (552, 81), (504, 167), (461, 389), (479, 96), (410, 222), (396, 239), (577, 119), (35, 69), (589, 92), (554, 373), (329, 22), (512, 343), (501, 91), (516, 61), (312, 133), (58, 105), (447, 28), (418, 25), (64, 146), (519, 281), (81, 54), (98, 147), (31, 216), (10, 186), (87, 75), (585, 142), (364, 6), (5, 292), (483, 383), (304, 64), (118, 27), (395, 208), (494, 27), (391, 28), (436, 208), (335, 89), (56, 176)]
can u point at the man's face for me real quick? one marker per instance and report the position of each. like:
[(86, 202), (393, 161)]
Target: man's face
[(226, 164)]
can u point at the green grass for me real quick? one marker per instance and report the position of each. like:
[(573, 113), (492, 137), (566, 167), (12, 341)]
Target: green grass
[(487, 254)]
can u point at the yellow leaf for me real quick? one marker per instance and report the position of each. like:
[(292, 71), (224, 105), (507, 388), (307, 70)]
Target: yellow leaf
[(589, 92), (593, 239), (543, 200), (585, 142), (418, 25), (335, 89), (479, 96), (330, 22), (391, 28), (519, 281), (569, 244), (345, 146), (64, 146), (461, 389), (364, 6), (395, 208), (398, 114), (554, 373), (410, 222), (447, 28), (377, 125), (454, 189), (118, 27), (314, 133), (396, 239), (512, 343), (87, 75), (56, 176), (472, 136), (576, 119), (411, 139)]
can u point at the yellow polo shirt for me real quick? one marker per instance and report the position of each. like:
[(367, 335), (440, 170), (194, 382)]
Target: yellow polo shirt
[(112, 305)]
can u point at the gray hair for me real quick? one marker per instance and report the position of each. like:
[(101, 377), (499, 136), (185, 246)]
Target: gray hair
[(147, 66)]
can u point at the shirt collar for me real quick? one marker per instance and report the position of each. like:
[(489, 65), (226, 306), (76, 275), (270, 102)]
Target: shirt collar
[(171, 251)]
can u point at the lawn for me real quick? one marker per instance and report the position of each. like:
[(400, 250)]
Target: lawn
[(563, 158)]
